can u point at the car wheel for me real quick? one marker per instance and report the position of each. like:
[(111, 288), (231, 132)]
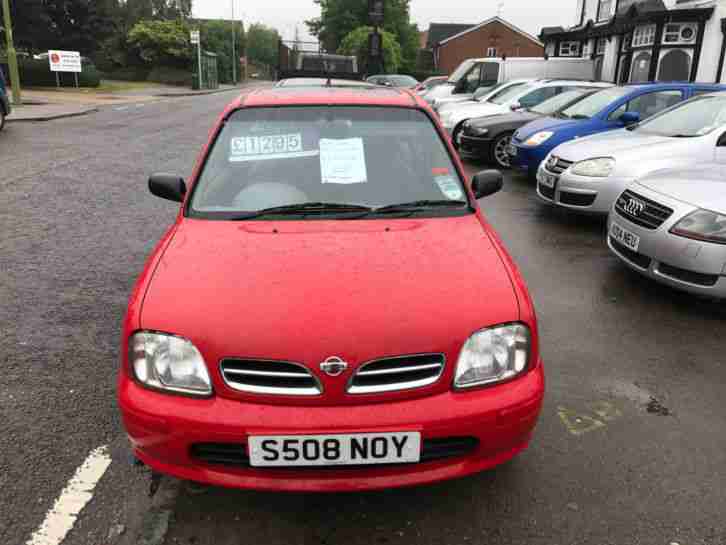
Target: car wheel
[(455, 135), (500, 157)]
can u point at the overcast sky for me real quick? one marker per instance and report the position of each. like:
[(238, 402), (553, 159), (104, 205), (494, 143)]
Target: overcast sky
[(530, 15)]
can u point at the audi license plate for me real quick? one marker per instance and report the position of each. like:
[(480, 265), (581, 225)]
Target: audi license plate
[(546, 180), (625, 237), (334, 450)]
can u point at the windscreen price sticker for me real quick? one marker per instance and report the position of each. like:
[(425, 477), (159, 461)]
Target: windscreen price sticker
[(261, 148)]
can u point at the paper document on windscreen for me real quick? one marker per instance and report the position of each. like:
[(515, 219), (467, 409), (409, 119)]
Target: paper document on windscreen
[(343, 161)]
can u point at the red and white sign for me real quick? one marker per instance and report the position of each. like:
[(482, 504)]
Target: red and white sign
[(64, 61)]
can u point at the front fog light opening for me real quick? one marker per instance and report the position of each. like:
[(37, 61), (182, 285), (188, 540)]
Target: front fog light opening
[(493, 355), (169, 363)]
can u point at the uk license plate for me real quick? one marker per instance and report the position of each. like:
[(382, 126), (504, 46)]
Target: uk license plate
[(625, 237), (334, 450)]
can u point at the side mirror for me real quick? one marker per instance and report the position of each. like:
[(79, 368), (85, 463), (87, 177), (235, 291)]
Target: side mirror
[(487, 182), (516, 106), (629, 118), (168, 186), (388, 84)]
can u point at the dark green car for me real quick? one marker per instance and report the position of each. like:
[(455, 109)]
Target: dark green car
[(4, 100)]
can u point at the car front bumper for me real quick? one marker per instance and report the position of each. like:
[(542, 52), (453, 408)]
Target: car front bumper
[(689, 265), (581, 193), (527, 159), (475, 146), (163, 428)]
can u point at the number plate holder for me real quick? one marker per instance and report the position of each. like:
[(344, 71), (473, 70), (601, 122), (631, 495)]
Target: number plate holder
[(334, 450)]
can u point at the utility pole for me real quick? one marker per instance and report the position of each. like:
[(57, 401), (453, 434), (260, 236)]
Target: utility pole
[(12, 56), (234, 46)]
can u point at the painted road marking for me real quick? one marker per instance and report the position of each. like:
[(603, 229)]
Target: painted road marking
[(77, 493), (579, 424)]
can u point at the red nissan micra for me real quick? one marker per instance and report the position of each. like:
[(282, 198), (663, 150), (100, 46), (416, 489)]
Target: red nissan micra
[(330, 310)]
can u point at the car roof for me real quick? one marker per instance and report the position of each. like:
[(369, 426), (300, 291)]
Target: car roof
[(320, 82), (369, 95), (664, 84)]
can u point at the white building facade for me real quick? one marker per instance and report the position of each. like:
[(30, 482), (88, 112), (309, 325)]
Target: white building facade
[(646, 40)]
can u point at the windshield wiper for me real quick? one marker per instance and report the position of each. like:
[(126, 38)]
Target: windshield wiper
[(682, 135), (579, 116), (304, 208), (417, 205)]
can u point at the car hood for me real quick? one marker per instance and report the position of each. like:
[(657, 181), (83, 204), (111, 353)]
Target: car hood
[(704, 187), (440, 91), (621, 144), (306, 290), (512, 118)]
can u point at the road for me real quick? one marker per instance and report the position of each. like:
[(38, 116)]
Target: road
[(630, 448)]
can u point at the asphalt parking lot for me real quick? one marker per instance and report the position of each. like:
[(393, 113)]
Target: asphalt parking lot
[(630, 447)]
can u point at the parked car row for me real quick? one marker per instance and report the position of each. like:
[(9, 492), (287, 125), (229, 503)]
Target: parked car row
[(652, 156)]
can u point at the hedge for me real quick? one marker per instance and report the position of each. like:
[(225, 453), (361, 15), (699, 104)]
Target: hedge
[(170, 76), (37, 72), (127, 73)]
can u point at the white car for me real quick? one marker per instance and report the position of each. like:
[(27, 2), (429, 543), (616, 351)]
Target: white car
[(510, 99), (590, 173), (482, 94)]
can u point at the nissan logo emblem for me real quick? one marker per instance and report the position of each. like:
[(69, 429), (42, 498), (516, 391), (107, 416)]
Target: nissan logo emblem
[(334, 366), (634, 207)]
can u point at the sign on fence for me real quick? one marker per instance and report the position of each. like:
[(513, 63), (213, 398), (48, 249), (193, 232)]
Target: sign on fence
[(65, 61)]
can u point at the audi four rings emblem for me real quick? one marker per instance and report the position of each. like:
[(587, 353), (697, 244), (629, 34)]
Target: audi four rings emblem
[(334, 366), (635, 207)]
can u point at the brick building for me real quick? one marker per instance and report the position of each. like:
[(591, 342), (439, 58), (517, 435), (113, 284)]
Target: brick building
[(494, 37)]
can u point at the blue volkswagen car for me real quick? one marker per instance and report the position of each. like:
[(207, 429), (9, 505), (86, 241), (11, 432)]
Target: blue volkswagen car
[(4, 100), (605, 110)]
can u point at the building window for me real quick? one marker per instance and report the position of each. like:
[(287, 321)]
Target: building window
[(598, 68), (625, 44), (675, 65), (641, 67), (491, 51), (550, 49), (587, 48), (602, 45), (604, 10), (644, 35), (569, 49), (680, 33)]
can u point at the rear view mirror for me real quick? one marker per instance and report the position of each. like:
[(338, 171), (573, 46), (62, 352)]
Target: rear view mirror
[(487, 182), (629, 118), (168, 186)]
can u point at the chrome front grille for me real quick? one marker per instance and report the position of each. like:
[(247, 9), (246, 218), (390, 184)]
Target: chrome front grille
[(642, 211), (399, 373), (557, 165), (269, 377)]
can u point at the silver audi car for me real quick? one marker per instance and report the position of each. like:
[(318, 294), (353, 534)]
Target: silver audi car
[(588, 174), (671, 226)]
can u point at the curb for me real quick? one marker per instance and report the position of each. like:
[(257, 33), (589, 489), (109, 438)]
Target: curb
[(193, 94), (51, 117)]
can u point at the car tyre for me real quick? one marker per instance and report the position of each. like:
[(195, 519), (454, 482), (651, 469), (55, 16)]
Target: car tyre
[(499, 155), (455, 134)]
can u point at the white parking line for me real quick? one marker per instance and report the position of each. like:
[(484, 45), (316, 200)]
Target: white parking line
[(77, 493)]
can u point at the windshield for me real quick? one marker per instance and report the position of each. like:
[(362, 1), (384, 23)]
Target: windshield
[(696, 117), (461, 71), (557, 102), (362, 156), (594, 104), (513, 91), (483, 92), (403, 81)]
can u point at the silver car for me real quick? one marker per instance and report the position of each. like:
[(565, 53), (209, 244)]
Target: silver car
[(671, 227), (593, 171)]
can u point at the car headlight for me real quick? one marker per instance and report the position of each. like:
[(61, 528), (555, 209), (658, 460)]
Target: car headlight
[(493, 355), (594, 168), (166, 362), (539, 138), (702, 225)]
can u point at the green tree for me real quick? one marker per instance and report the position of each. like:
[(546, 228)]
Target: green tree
[(262, 44), (217, 38), (356, 43), (338, 18), (162, 42)]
